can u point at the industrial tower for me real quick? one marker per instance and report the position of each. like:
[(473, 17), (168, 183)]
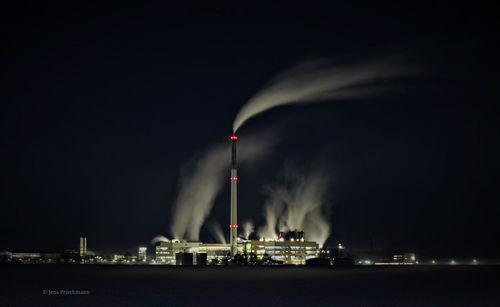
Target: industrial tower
[(233, 226)]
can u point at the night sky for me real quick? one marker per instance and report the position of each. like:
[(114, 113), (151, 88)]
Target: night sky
[(103, 105)]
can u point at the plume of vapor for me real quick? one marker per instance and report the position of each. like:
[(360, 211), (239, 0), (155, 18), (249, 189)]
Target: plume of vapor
[(216, 231), (298, 204), (248, 229), (159, 238), (273, 209), (320, 80), (201, 185)]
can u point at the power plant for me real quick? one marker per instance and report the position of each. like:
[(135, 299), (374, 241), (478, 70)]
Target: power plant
[(289, 248), (292, 250)]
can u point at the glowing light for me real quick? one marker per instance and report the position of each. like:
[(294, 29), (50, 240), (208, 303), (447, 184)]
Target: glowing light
[(474, 261), (233, 226), (233, 178), (233, 137)]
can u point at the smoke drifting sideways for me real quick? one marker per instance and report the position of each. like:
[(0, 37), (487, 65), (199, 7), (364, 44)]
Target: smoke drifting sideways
[(159, 238), (319, 81), (201, 185), (299, 203)]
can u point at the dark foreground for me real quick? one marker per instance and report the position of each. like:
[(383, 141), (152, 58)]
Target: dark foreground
[(24, 285)]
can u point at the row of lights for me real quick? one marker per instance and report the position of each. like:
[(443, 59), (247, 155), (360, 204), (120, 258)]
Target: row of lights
[(280, 240), (452, 262)]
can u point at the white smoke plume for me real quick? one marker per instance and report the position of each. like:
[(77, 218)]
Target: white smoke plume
[(216, 231), (320, 80), (273, 209), (299, 203), (248, 229), (201, 185), (159, 238)]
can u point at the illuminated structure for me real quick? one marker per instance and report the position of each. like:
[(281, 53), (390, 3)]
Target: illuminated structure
[(218, 250), (404, 258), (83, 246), (165, 251), (117, 258), (233, 226), (142, 254), (290, 248), (288, 252)]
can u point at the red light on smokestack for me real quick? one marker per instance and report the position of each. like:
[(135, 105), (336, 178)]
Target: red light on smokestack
[(233, 226), (233, 137), (233, 178)]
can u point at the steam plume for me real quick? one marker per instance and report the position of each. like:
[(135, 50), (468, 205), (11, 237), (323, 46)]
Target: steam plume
[(200, 186), (319, 80), (217, 233), (298, 204), (159, 238), (248, 229)]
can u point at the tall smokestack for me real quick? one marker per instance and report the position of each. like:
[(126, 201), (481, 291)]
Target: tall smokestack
[(83, 246), (233, 226)]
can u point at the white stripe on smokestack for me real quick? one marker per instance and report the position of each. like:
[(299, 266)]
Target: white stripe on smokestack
[(233, 227)]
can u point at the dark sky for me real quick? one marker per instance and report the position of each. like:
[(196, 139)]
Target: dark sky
[(103, 104)]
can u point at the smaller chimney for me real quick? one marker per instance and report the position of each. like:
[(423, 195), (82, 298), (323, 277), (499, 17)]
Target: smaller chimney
[(83, 246)]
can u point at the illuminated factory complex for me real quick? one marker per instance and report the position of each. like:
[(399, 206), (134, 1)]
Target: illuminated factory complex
[(292, 249)]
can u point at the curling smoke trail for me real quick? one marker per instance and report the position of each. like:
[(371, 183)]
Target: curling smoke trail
[(298, 204), (317, 81), (159, 238), (200, 188)]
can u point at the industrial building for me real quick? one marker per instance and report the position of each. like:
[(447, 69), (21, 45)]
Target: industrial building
[(404, 258), (142, 254), (187, 259), (166, 251), (288, 252), (289, 248)]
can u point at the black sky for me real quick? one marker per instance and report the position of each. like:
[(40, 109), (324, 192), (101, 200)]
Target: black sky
[(103, 104)]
